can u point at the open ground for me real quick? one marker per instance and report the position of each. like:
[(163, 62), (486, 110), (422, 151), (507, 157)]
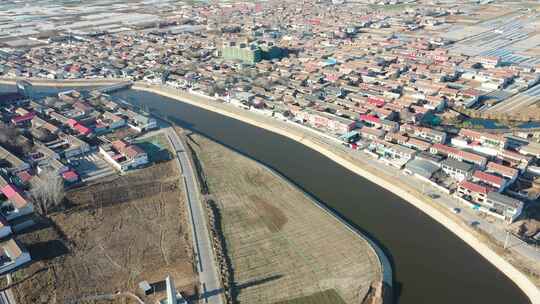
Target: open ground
[(283, 248), (108, 237)]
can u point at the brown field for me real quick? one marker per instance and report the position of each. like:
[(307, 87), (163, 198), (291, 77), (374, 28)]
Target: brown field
[(283, 248), (109, 237)]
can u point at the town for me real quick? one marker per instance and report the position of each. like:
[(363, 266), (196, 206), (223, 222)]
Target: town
[(53, 144), (394, 95), (446, 93)]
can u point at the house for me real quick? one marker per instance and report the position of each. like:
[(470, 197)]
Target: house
[(421, 168), (473, 192), (497, 141), (492, 180), (428, 134), (124, 156), (5, 228), (507, 172), (456, 169), (15, 205), (12, 256), (458, 154), (418, 144), (371, 134), (112, 120), (16, 164), (70, 176), (514, 158), (400, 152), (504, 205)]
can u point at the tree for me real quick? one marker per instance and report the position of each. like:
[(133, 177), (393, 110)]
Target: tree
[(47, 191)]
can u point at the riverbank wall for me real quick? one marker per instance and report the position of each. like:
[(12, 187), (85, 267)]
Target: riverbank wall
[(64, 83), (504, 266)]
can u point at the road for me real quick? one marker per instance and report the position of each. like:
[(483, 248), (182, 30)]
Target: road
[(210, 288), (6, 296), (495, 228)]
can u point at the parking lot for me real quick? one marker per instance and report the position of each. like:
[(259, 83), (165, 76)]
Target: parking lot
[(91, 166)]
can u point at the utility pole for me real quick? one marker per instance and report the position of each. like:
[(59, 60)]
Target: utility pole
[(506, 240)]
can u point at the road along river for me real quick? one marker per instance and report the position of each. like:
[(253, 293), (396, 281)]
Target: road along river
[(431, 264)]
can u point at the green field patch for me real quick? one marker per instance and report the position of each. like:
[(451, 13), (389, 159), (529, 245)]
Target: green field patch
[(329, 296), (157, 147)]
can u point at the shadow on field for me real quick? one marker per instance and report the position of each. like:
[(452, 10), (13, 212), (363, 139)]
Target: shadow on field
[(47, 250), (256, 282)]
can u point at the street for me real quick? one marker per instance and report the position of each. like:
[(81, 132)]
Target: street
[(210, 286)]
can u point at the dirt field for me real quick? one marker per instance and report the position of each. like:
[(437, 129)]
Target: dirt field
[(283, 248), (111, 236)]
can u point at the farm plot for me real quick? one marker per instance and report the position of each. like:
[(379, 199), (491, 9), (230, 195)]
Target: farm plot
[(283, 248)]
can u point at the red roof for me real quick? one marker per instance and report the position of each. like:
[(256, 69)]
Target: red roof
[(370, 118), (502, 169), (70, 175), (71, 122), (13, 194), (82, 129), (491, 179), (475, 187), (24, 176), (119, 145), (23, 118), (377, 101)]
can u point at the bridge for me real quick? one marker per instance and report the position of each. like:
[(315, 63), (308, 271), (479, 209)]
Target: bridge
[(116, 87)]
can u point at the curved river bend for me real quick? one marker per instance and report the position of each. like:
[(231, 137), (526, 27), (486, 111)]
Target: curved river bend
[(431, 265)]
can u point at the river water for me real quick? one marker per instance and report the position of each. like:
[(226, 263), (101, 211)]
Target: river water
[(430, 264)]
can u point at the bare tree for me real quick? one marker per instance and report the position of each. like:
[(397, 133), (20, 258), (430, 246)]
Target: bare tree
[(47, 191)]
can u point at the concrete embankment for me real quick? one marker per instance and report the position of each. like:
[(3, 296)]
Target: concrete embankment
[(63, 83), (504, 266)]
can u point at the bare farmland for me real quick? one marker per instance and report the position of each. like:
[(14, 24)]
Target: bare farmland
[(283, 248)]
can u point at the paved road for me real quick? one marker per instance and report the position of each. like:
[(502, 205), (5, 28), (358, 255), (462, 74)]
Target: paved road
[(495, 228), (210, 289)]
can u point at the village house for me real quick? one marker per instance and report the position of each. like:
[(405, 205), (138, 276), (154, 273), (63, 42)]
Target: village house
[(123, 156), (473, 192), (12, 256), (509, 208), (456, 169)]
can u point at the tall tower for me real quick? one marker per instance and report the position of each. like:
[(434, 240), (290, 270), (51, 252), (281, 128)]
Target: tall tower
[(25, 89), (171, 290)]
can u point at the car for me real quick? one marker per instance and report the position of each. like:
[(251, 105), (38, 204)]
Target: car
[(456, 210), (434, 195)]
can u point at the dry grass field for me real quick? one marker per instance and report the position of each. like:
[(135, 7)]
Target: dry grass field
[(111, 236), (283, 248)]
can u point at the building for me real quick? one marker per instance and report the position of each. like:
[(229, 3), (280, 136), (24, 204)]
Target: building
[(124, 156), (497, 141), (507, 172), (251, 52), (504, 205), (474, 192), (428, 134), (15, 204), (12, 256), (491, 180), (458, 154), (456, 169), (421, 168)]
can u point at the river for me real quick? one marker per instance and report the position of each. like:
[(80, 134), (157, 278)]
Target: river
[(430, 264)]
